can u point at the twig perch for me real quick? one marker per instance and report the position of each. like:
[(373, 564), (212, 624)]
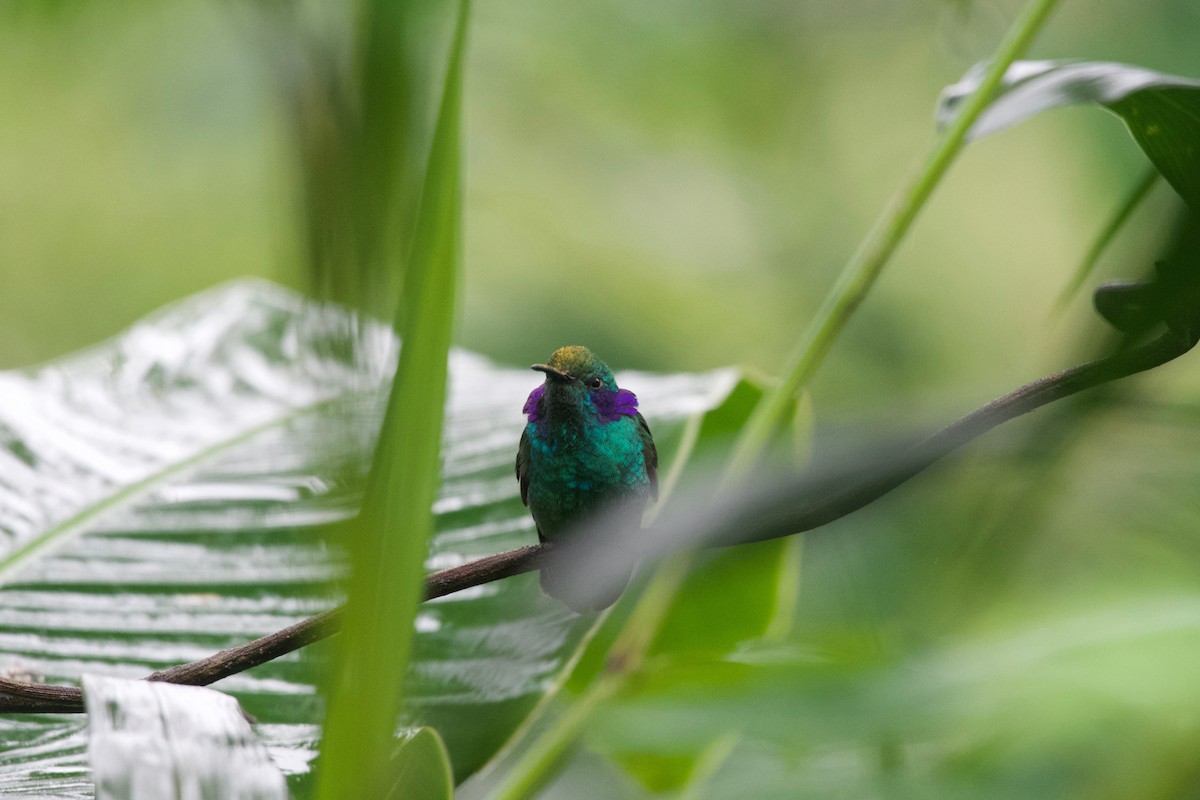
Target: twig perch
[(803, 514), (21, 697)]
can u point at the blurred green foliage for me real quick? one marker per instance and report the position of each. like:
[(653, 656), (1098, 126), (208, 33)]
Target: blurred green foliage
[(691, 177), (675, 185)]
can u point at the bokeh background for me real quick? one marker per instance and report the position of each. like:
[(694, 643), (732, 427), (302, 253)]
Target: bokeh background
[(676, 184), (673, 185)]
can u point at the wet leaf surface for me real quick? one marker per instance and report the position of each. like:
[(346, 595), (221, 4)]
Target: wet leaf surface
[(178, 490)]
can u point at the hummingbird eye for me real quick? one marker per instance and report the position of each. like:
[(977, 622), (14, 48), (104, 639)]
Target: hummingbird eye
[(595, 383)]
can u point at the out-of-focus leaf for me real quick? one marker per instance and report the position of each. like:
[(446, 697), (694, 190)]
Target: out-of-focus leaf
[(738, 595), (1106, 236), (390, 539), (1162, 111), (174, 743), (1112, 707), (171, 493), (735, 596), (420, 770)]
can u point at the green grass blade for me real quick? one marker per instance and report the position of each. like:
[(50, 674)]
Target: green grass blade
[(390, 545), (421, 769), (383, 146), (1109, 232)]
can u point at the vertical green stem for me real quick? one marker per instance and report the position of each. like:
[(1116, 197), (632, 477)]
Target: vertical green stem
[(546, 754), (860, 273), (541, 763)]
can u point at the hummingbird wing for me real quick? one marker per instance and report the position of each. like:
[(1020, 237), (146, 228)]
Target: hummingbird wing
[(649, 455), (523, 465)]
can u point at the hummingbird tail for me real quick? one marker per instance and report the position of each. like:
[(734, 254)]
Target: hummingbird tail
[(563, 584)]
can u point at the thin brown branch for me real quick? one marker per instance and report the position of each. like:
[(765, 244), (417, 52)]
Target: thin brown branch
[(23, 697), (832, 505)]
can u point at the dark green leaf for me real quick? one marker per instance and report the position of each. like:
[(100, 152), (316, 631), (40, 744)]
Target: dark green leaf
[(1162, 111)]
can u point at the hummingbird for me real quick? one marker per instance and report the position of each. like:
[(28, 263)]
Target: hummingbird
[(585, 449)]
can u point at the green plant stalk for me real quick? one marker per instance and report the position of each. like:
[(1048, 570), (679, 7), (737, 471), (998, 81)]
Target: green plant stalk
[(388, 570), (787, 590), (865, 266), (546, 754), (625, 660), (711, 760)]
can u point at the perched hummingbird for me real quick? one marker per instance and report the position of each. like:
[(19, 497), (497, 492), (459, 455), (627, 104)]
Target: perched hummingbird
[(585, 448)]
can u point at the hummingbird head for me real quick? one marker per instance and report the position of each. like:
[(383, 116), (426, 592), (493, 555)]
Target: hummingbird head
[(578, 381)]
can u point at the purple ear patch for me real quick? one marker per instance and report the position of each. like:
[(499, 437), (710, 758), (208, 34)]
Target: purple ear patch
[(611, 406), (531, 404)]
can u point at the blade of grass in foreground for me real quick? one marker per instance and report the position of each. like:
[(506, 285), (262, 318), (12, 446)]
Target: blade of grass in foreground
[(1106, 236), (390, 539)]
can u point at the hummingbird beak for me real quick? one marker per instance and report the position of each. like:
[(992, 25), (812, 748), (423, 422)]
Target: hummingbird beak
[(554, 373)]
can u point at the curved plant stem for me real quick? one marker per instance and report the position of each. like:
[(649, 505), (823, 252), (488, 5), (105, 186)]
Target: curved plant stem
[(542, 759), (864, 267), (541, 762), (855, 281), (794, 513)]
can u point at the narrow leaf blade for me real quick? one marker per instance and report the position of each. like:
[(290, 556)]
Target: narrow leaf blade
[(390, 544)]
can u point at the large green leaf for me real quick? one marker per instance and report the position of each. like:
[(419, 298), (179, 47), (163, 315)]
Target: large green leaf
[(1162, 111), (172, 742), (175, 491)]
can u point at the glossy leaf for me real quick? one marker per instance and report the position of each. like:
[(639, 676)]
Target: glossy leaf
[(1162, 111), (157, 740), (179, 489)]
